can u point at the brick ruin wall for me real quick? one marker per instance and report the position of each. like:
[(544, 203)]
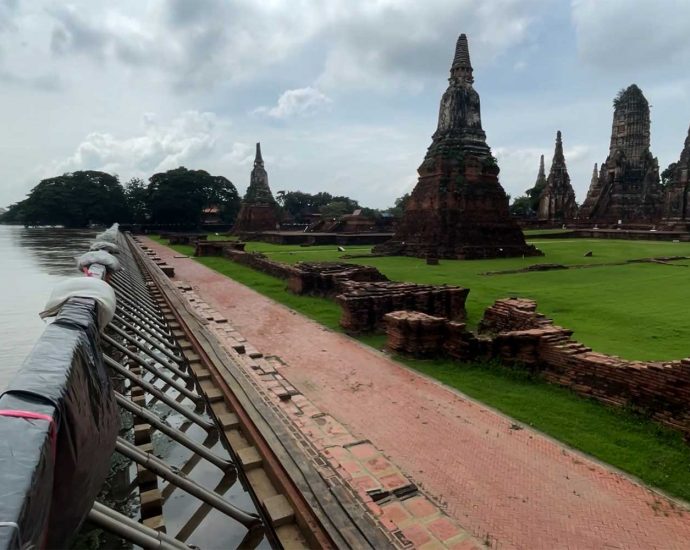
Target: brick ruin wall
[(513, 332), (327, 278), (365, 304), (363, 292), (259, 262)]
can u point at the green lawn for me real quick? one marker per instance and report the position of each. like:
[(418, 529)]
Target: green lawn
[(634, 310)]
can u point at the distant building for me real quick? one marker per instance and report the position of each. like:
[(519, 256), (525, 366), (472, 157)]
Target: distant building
[(458, 208), (627, 188), (557, 199), (258, 211), (676, 199)]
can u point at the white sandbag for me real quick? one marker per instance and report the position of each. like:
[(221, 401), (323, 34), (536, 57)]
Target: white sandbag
[(105, 245), (83, 287), (109, 234), (111, 263)]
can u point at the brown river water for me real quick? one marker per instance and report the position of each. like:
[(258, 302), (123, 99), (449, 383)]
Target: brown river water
[(32, 261)]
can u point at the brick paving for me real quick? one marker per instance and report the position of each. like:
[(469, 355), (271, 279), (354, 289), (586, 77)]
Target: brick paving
[(512, 488), (377, 483)]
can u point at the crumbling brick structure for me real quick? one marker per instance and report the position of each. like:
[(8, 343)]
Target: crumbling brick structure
[(514, 332), (215, 248), (327, 278), (365, 304), (458, 208), (260, 262)]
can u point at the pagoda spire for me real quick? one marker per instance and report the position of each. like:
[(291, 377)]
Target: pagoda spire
[(541, 175), (258, 161), (558, 153), (462, 67)]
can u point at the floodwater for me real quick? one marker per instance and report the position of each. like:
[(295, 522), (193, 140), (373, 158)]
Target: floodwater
[(32, 261)]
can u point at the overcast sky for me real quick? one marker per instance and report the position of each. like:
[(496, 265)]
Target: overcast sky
[(342, 94)]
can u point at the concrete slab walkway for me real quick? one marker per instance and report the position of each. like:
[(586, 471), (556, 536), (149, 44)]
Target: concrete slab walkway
[(515, 488)]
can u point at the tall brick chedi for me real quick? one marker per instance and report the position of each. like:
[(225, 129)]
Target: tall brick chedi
[(258, 211), (676, 199), (627, 188), (557, 199), (458, 208)]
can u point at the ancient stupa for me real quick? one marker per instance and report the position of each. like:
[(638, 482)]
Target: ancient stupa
[(627, 188), (676, 199), (258, 211), (458, 209), (557, 199)]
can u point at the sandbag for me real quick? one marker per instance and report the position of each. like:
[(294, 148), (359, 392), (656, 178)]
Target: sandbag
[(111, 263), (83, 287), (109, 247), (109, 234)]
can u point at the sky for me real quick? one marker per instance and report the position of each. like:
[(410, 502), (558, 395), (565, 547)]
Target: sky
[(342, 94)]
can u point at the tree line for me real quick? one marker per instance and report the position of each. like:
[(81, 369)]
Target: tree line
[(179, 196)]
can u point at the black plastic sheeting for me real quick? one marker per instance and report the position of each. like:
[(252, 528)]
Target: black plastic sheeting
[(47, 490)]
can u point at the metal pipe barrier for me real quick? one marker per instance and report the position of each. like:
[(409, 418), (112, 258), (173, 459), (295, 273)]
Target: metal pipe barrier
[(63, 396)]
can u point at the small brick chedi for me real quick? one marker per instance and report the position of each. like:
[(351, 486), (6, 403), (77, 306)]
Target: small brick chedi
[(557, 199), (259, 210), (458, 208), (627, 188), (676, 200)]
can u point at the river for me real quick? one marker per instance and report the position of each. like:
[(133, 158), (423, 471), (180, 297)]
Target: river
[(33, 261)]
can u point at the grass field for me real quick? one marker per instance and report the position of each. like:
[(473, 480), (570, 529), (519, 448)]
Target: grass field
[(635, 310)]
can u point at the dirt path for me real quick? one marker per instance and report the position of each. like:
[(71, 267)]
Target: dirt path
[(517, 487)]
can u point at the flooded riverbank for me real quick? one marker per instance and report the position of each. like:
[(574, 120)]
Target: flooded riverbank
[(33, 261)]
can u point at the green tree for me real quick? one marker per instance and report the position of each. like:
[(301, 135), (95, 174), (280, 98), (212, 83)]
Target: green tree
[(181, 195), (74, 199), (299, 204), (398, 206), (534, 194), (522, 206), (137, 199), (667, 175), (335, 209)]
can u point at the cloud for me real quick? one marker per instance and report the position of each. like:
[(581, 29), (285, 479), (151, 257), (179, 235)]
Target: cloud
[(74, 34), (626, 37), (351, 43), (391, 44), (8, 10), (298, 102), (188, 138), (45, 83)]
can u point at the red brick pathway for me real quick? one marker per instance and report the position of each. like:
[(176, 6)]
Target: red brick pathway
[(516, 488)]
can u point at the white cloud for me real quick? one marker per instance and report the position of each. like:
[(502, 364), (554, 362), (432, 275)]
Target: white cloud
[(354, 43), (626, 37), (241, 154), (388, 45), (298, 102), (188, 138)]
